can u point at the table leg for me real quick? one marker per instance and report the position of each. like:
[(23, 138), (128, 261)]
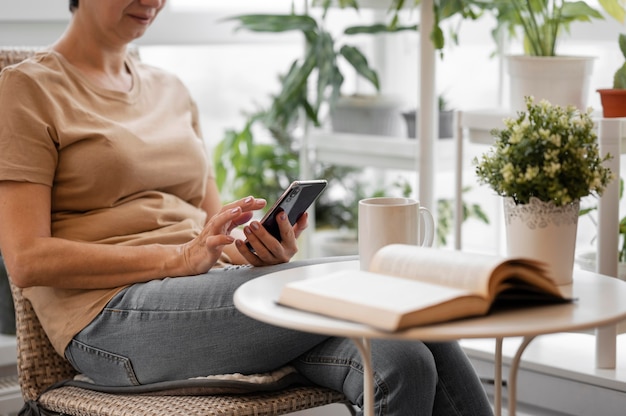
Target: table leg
[(497, 379), (512, 384), (363, 344)]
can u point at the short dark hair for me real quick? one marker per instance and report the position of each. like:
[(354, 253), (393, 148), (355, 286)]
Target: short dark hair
[(73, 5)]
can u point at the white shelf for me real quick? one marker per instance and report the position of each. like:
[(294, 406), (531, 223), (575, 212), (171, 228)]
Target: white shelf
[(359, 150), (370, 151)]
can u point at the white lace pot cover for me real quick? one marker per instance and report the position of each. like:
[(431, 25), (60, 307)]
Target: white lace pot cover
[(544, 232)]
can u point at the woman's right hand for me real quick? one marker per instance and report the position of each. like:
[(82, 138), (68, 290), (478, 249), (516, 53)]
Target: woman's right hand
[(201, 253)]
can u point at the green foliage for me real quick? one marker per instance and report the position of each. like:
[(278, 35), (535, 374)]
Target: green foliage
[(443, 10), (619, 79), (445, 217), (547, 152), (248, 165), (543, 21), (249, 168)]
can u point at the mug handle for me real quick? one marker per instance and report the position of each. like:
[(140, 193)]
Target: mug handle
[(429, 223)]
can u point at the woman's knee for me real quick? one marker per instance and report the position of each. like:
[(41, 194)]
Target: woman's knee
[(404, 361), (405, 373)]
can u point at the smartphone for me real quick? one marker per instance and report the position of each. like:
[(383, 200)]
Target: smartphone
[(294, 201)]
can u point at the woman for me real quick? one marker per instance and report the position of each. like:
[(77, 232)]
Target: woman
[(112, 225)]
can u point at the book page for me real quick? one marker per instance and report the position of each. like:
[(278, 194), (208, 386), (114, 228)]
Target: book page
[(467, 271), (382, 301)]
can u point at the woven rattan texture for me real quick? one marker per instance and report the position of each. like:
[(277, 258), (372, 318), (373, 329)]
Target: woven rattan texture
[(76, 401), (38, 364)]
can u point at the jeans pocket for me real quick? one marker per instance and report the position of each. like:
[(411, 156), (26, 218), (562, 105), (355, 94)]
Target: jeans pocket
[(102, 367)]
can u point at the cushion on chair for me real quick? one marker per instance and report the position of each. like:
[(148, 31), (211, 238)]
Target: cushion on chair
[(198, 386)]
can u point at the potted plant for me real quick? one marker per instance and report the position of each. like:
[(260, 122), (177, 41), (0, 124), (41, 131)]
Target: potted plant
[(247, 164), (541, 72), (614, 99), (263, 157), (445, 120), (543, 162)]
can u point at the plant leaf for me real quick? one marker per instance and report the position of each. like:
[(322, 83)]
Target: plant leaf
[(378, 28), (359, 62), (614, 9), (275, 23)]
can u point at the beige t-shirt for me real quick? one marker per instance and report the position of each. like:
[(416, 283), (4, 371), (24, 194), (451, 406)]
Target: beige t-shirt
[(125, 168)]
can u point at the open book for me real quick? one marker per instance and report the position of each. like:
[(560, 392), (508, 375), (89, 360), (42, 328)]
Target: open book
[(410, 285)]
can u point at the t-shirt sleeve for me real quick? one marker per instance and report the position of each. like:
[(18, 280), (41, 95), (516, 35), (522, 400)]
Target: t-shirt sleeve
[(27, 138)]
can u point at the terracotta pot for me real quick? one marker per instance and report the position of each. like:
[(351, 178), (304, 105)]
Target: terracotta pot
[(613, 102)]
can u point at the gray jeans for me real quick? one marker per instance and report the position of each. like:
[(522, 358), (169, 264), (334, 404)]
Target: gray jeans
[(174, 329)]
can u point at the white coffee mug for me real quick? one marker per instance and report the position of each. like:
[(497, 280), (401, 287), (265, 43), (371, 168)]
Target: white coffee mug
[(384, 221)]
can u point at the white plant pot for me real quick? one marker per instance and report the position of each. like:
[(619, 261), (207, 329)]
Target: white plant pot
[(562, 80), (368, 114), (544, 232)]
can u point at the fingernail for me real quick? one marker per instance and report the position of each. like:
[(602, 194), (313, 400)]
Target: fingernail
[(238, 243), (283, 216), (255, 225), (235, 210), (247, 230), (248, 200)]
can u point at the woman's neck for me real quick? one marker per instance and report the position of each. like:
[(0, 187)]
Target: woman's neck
[(104, 67)]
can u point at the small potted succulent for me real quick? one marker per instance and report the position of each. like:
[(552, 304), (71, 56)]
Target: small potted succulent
[(614, 99)]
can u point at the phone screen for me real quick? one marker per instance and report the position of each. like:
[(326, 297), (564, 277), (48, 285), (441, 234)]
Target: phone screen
[(296, 199)]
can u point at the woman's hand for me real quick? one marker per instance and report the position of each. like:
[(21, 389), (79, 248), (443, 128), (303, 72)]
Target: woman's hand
[(267, 249), (204, 251)]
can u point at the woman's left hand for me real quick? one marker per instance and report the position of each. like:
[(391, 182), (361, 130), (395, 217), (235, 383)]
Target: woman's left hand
[(267, 249)]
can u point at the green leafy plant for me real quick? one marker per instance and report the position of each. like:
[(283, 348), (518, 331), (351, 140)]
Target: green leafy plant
[(547, 152), (619, 79), (445, 217), (444, 10), (542, 22), (246, 164)]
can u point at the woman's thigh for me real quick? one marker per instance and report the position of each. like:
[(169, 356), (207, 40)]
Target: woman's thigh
[(177, 328)]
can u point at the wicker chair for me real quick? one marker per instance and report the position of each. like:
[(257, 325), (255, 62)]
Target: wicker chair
[(40, 367)]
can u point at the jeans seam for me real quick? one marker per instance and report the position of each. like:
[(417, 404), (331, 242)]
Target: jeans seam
[(110, 356)]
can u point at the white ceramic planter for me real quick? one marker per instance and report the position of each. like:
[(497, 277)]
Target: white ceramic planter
[(368, 114), (562, 80), (544, 232)]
